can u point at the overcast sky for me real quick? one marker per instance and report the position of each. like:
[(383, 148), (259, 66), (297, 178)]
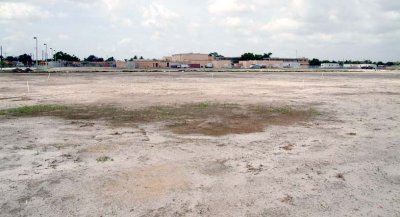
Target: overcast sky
[(336, 29)]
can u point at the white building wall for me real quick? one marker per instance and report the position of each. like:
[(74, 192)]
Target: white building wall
[(292, 65), (330, 65)]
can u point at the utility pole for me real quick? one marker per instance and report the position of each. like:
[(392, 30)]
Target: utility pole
[(45, 54), (36, 50), (52, 54), (1, 59)]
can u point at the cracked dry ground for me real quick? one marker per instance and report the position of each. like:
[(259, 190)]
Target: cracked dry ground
[(344, 162)]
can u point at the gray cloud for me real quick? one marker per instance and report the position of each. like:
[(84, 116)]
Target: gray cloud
[(339, 29)]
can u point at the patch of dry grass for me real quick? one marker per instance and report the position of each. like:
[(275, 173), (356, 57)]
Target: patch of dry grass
[(212, 119), (103, 159)]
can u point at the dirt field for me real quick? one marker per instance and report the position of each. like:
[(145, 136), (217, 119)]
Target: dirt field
[(342, 161)]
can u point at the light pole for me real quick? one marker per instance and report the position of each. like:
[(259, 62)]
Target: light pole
[(36, 51), (45, 54), (1, 57)]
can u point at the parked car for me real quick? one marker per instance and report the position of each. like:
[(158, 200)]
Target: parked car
[(256, 66), (367, 67)]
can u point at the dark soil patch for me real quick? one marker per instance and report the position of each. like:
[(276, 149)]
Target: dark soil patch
[(203, 118), (233, 119), (340, 176), (287, 199), (288, 147)]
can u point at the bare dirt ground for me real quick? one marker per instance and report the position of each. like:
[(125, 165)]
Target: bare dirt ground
[(343, 162)]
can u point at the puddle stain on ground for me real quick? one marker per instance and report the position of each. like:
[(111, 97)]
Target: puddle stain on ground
[(146, 183)]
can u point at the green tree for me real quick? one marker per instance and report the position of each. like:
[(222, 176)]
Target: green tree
[(111, 59), (252, 56), (247, 56), (1, 61), (258, 57), (267, 55), (25, 59), (11, 59), (215, 54), (93, 58), (141, 57), (66, 57), (352, 62), (315, 62)]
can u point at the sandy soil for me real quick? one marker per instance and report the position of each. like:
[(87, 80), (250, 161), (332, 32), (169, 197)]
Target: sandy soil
[(346, 162)]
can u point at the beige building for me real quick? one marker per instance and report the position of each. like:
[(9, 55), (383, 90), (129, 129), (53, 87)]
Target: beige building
[(199, 60), (125, 65), (222, 64), (303, 62), (151, 64), (267, 63), (277, 63), (121, 64), (142, 64), (191, 58)]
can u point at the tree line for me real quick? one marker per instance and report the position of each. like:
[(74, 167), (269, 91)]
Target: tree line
[(317, 62), (27, 59), (245, 56), (24, 58)]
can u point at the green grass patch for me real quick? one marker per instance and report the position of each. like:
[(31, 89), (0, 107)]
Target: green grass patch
[(32, 110), (194, 118)]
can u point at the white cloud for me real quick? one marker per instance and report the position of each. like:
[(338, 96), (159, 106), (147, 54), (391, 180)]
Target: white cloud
[(63, 36), (220, 7), (20, 12), (158, 16), (127, 22), (280, 25), (234, 22), (125, 41), (112, 5)]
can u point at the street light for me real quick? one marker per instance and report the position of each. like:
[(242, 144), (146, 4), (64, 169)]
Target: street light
[(1, 57), (45, 54), (36, 50)]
